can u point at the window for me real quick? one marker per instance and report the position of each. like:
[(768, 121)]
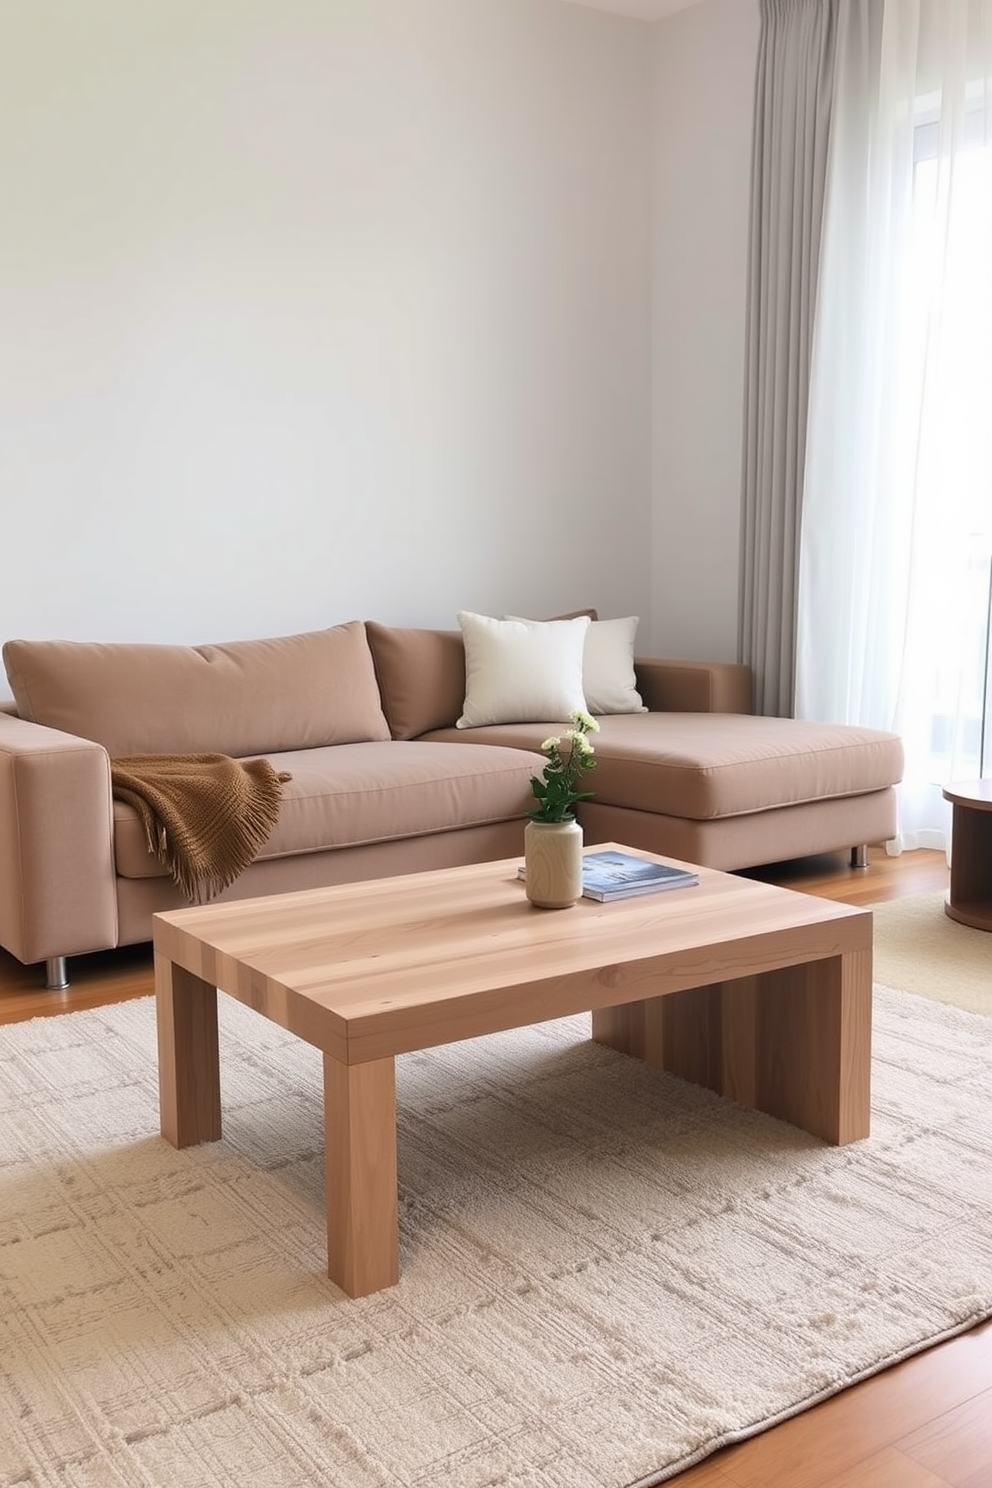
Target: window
[(946, 438)]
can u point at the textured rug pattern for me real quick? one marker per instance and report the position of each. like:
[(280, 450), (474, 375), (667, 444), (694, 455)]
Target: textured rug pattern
[(606, 1272), (920, 949)]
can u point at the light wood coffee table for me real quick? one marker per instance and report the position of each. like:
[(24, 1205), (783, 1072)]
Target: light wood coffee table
[(760, 993)]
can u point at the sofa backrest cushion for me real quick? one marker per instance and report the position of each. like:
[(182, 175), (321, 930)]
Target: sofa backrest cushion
[(239, 698), (421, 677)]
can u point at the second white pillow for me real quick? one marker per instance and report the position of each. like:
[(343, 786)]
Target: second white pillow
[(608, 678)]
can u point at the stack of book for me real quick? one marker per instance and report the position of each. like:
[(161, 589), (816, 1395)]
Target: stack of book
[(610, 875)]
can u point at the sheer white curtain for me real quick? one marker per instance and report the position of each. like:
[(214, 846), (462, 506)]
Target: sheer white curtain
[(897, 522)]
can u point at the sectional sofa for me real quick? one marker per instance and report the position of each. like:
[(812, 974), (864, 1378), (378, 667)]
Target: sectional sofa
[(403, 753)]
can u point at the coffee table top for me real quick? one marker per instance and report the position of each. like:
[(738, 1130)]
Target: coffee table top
[(367, 970)]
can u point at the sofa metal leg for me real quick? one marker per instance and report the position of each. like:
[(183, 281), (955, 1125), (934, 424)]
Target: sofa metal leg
[(859, 856), (56, 976)]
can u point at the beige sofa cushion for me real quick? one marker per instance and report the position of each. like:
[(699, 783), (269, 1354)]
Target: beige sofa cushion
[(421, 675), (704, 766), (378, 792), (240, 698)]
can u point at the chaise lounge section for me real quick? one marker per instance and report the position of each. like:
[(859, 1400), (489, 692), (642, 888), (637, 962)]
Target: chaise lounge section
[(695, 776)]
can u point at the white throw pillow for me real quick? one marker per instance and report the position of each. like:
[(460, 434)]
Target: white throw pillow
[(516, 672), (608, 678)]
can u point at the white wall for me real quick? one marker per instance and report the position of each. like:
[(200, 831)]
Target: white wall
[(313, 310), (704, 70)]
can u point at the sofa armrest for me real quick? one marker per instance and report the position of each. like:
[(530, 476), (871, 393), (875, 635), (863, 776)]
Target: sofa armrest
[(57, 883), (693, 686)]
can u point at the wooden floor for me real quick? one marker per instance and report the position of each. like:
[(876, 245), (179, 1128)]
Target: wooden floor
[(926, 1423)]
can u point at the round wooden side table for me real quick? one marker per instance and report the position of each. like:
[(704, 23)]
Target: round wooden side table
[(969, 898)]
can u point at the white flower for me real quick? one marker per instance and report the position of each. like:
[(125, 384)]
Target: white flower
[(579, 742)]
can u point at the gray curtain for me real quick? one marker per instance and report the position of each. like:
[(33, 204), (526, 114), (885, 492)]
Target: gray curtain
[(792, 102)]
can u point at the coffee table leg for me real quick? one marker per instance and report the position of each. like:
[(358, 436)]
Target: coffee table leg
[(362, 1212), (188, 1055), (807, 1048), (794, 1042)]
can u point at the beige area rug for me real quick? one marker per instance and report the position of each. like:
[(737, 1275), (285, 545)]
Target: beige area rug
[(606, 1272), (920, 949)]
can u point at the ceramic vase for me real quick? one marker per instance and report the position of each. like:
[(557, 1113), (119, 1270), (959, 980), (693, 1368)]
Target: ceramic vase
[(553, 859)]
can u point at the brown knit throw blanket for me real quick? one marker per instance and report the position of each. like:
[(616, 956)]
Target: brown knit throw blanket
[(205, 815)]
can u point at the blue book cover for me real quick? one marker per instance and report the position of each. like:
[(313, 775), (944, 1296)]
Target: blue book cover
[(618, 875)]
